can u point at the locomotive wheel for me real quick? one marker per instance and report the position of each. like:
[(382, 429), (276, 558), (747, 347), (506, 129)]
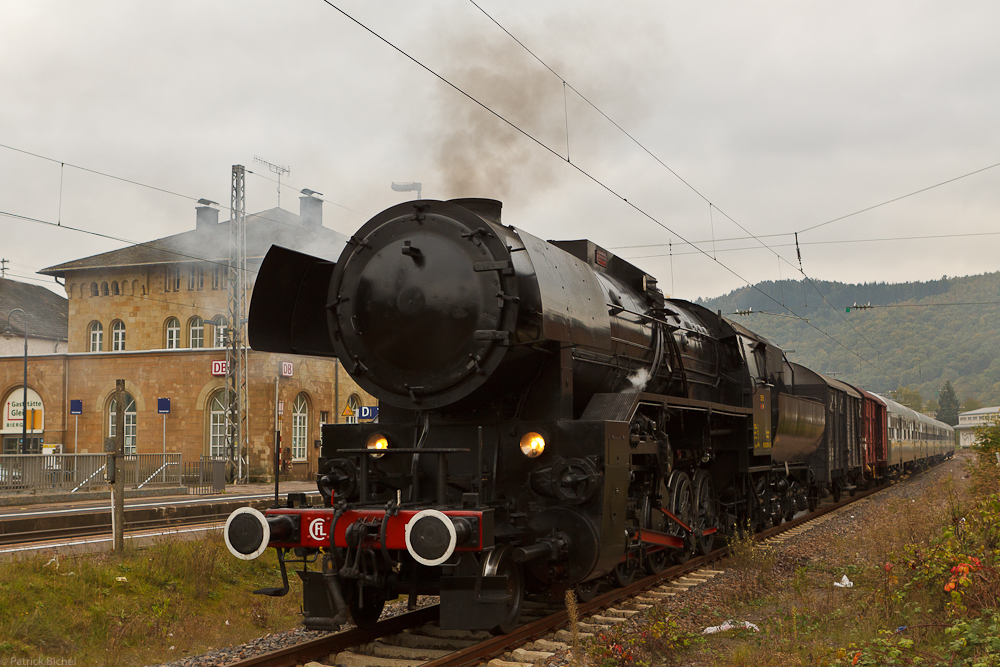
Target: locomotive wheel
[(653, 519), (682, 506), (500, 563), (586, 591), (625, 573), (705, 514), (366, 606)]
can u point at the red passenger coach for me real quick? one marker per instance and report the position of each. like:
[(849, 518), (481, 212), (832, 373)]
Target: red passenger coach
[(876, 447)]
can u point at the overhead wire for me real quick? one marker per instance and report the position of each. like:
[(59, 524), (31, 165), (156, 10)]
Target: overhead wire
[(579, 169), (831, 242), (153, 187), (711, 205), (896, 199), (291, 187), (148, 244)]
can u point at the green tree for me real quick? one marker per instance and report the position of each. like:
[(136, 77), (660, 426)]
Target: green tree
[(971, 404), (948, 404)]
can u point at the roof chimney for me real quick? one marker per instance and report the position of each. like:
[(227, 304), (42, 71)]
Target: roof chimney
[(207, 217), (311, 211)]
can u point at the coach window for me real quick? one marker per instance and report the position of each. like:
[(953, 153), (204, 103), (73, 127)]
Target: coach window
[(130, 422), (300, 427), (354, 403), (173, 333), (196, 332), (96, 337), (118, 336), (217, 426)]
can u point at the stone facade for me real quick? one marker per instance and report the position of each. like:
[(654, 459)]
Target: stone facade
[(155, 320), (185, 377)]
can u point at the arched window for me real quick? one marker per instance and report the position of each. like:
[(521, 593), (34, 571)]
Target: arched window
[(69, 290), (96, 337), (105, 291), (135, 288), (114, 288), (300, 427), (130, 422), (173, 333), (95, 290), (118, 336), (196, 332), (217, 426), (219, 331), (354, 403)]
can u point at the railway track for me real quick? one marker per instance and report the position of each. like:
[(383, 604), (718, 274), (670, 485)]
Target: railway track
[(412, 639), (28, 537), (38, 527)]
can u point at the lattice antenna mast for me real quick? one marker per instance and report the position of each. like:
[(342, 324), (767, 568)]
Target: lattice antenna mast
[(275, 169), (237, 413)]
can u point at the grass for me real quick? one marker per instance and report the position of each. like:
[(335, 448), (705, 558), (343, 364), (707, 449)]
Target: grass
[(143, 607), (926, 591), (899, 610)]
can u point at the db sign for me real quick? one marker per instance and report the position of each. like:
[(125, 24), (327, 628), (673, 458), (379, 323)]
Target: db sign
[(368, 412), (286, 369), (219, 367)]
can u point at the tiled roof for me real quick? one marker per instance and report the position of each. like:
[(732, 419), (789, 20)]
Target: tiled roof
[(48, 313), (211, 243)]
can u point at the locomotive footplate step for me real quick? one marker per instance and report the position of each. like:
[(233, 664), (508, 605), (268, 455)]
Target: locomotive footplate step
[(462, 606)]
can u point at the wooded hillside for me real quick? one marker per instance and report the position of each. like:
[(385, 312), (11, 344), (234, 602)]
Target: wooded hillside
[(916, 335)]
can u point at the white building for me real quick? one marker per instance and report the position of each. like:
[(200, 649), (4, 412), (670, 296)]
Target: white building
[(968, 421)]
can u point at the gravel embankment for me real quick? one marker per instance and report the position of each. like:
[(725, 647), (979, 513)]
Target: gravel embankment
[(275, 641), (691, 609)]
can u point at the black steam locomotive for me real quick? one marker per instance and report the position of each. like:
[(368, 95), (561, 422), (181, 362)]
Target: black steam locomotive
[(548, 420)]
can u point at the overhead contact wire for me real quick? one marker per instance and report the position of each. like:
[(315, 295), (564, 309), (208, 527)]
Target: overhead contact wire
[(665, 166), (579, 169)]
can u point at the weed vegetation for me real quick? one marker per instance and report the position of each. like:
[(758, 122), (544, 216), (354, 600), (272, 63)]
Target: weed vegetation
[(925, 574), (146, 606), (925, 589)]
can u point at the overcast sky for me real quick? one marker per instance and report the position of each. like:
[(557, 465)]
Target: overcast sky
[(783, 115)]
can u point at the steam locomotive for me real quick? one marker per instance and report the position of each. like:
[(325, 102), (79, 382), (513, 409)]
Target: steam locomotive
[(548, 420)]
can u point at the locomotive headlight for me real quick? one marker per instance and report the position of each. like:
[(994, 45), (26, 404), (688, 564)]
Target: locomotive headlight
[(532, 444), (377, 441)]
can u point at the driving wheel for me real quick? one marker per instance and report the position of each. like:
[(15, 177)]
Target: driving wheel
[(498, 564)]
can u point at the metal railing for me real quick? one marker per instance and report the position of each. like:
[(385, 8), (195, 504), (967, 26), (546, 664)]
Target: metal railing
[(84, 472), (206, 476)]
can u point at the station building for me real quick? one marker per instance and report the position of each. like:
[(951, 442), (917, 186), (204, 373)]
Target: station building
[(968, 421), (153, 314)]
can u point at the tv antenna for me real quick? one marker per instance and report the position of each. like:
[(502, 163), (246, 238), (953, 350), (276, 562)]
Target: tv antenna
[(275, 169)]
